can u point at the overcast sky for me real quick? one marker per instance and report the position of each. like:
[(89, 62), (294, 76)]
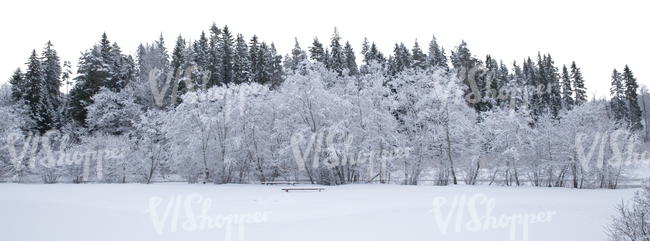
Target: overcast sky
[(598, 36)]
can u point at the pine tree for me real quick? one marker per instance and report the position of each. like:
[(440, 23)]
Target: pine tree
[(18, 85), (463, 62), (567, 92), (402, 59), (297, 57), (51, 94), (92, 75), (277, 72), (105, 48), (67, 74), (254, 50), (123, 68), (337, 61), (365, 50), (617, 92), (437, 56), (631, 87), (578, 85), (177, 54), (553, 82), (316, 51), (350, 59), (241, 63), (202, 51), (419, 58), (288, 63), (327, 58), (34, 86), (215, 61), (265, 65), (227, 56), (375, 55)]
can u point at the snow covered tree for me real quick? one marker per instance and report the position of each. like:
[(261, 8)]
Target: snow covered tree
[(255, 53), (617, 93), (350, 59), (264, 65), (277, 72), (113, 113), (631, 98), (316, 51), (93, 73), (337, 60), (567, 92), (578, 84), (33, 95), (437, 56), (227, 51), (298, 56), (241, 63), (18, 85), (419, 58), (215, 56), (402, 59)]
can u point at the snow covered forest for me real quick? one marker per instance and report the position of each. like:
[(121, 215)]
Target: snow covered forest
[(224, 108)]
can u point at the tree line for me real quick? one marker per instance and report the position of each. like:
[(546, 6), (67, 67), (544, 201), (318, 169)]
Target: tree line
[(464, 118)]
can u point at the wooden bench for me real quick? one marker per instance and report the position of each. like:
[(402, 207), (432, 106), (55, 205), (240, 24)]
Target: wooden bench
[(303, 188), (271, 183)]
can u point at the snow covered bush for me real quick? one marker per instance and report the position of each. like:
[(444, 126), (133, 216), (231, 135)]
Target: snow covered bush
[(633, 220)]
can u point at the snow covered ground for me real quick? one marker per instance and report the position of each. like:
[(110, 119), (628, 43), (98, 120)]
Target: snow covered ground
[(348, 212)]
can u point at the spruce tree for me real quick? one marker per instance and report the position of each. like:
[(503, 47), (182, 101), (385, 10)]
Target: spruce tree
[(92, 75), (254, 50), (277, 72), (297, 57), (578, 85), (463, 62), (105, 46), (375, 55), (617, 92), (215, 54), (337, 60), (33, 95), (350, 59), (51, 95), (241, 63), (18, 85), (227, 55), (419, 58), (177, 54), (202, 51), (567, 92), (553, 82), (437, 57), (631, 87), (67, 74), (365, 49), (316, 51), (265, 65), (327, 58)]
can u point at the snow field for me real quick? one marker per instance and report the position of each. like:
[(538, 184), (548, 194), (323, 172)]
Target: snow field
[(347, 212)]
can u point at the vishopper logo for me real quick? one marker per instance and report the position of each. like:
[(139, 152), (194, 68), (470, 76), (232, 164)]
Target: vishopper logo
[(202, 221), (347, 156), (486, 221), (513, 93), (617, 157), (65, 158), (229, 94)]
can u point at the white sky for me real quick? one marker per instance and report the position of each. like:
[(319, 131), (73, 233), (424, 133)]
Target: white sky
[(598, 36)]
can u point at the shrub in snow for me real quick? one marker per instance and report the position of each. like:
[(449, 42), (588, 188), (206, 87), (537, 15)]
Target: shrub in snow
[(633, 220)]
